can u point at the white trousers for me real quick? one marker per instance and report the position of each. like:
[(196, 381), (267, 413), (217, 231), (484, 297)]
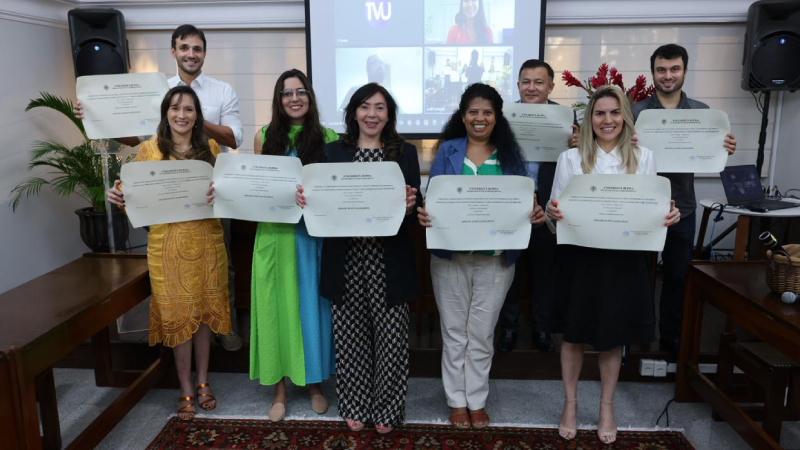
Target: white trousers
[(470, 291)]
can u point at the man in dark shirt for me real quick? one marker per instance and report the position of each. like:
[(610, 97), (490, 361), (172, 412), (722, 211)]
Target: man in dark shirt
[(669, 64), (535, 83)]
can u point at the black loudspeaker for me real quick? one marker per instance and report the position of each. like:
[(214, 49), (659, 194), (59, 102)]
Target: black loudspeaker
[(99, 46), (771, 59)]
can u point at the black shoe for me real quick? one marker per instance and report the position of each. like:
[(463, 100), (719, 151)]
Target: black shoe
[(507, 340), (543, 342), (670, 345)]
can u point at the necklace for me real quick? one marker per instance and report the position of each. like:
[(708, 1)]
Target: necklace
[(183, 150)]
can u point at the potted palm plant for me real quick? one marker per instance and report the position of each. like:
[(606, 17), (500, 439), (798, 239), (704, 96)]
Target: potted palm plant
[(74, 170)]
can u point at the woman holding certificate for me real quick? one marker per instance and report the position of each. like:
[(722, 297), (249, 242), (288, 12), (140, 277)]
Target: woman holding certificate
[(187, 260), (470, 287), (371, 280), (603, 297), (290, 334)]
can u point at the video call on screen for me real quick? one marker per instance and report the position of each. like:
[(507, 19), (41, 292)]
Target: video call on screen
[(424, 52)]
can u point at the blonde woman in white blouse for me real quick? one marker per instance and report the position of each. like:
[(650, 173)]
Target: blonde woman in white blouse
[(604, 297)]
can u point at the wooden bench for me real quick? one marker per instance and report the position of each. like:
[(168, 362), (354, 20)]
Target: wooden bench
[(49, 316)]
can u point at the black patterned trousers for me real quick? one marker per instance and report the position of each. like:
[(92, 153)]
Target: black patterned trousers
[(371, 341)]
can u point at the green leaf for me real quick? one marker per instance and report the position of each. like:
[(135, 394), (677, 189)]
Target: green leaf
[(27, 188), (62, 105)]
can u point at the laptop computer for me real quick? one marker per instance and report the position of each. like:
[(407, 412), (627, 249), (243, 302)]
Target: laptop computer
[(743, 188)]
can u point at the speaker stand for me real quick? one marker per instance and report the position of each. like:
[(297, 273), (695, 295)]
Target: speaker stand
[(762, 137), (103, 143)]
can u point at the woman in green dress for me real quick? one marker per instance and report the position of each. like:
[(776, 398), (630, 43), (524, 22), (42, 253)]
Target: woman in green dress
[(290, 333)]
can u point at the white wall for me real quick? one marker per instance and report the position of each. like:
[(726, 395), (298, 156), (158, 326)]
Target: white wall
[(787, 169), (250, 60), (43, 233)]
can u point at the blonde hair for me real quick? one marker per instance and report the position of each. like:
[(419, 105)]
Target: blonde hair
[(587, 145)]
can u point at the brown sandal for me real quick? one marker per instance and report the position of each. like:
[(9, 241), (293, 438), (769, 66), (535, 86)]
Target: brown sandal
[(186, 409), (479, 416), (208, 398), (460, 420)]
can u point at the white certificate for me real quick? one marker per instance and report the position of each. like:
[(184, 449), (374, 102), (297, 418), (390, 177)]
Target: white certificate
[(121, 105), (617, 212), (354, 199), (685, 140), (259, 188), (541, 130), (166, 191), (479, 212)]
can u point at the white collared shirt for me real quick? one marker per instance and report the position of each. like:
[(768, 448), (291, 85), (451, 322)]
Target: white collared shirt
[(569, 164), (219, 102)]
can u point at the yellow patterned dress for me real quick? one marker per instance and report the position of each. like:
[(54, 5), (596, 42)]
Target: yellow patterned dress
[(188, 273)]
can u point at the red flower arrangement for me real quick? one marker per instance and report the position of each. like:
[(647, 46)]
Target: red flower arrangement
[(609, 75)]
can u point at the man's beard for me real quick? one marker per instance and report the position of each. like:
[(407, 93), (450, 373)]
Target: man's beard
[(675, 87), (190, 72)]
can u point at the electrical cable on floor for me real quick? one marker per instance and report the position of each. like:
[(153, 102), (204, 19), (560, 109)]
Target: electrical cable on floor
[(665, 412)]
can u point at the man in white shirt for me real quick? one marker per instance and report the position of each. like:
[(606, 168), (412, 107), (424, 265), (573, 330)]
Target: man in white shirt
[(221, 112), (535, 84)]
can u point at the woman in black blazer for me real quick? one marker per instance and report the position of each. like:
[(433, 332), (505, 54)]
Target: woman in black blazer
[(371, 280)]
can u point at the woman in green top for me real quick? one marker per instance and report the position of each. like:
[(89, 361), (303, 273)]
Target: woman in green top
[(290, 334), (470, 287)]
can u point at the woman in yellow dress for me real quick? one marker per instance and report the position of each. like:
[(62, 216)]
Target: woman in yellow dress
[(187, 260)]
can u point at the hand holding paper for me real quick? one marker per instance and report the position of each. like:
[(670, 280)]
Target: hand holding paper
[(115, 106)]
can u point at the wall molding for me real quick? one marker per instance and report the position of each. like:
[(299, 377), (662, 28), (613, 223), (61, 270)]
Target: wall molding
[(631, 12), (31, 19), (279, 14)]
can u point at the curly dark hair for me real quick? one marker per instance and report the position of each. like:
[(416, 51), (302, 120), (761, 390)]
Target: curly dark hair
[(391, 139), (310, 141), (200, 148), (509, 153)]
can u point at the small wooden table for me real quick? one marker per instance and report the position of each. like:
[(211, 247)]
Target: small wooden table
[(738, 290), (744, 218), (46, 318)]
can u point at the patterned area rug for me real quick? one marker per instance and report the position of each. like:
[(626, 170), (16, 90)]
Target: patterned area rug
[(330, 435)]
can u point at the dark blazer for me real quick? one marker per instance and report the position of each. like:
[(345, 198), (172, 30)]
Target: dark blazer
[(398, 250)]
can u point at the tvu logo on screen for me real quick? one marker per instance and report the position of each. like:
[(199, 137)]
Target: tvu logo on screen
[(378, 12)]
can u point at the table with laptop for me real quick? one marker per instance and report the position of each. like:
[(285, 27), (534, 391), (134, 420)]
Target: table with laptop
[(745, 197)]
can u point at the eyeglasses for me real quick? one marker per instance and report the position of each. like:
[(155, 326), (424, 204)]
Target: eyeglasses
[(289, 93)]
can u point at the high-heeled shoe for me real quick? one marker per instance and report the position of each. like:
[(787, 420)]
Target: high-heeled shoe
[(567, 432), (607, 437)]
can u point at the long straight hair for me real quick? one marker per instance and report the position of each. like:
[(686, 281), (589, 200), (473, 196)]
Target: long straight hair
[(200, 148), (390, 138), (509, 152), (481, 33), (587, 147), (310, 141)]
